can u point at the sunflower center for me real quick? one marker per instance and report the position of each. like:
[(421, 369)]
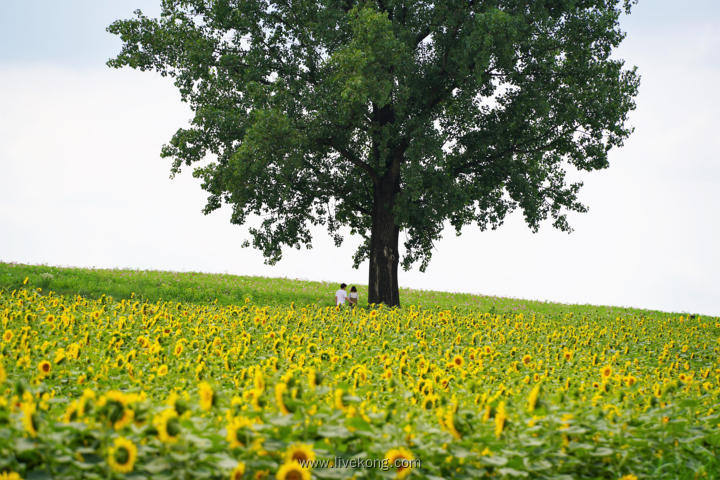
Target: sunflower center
[(293, 475), (299, 456), (122, 455), (173, 427), (400, 463), (34, 421), (116, 411)]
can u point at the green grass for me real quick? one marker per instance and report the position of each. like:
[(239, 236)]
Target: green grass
[(198, 288)]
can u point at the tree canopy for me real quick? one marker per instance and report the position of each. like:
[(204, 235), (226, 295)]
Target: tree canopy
[(388, 116)]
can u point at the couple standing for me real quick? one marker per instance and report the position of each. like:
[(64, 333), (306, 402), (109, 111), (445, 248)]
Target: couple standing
[(342, 295)]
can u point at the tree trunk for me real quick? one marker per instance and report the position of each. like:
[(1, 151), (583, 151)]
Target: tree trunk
[(384, 257)]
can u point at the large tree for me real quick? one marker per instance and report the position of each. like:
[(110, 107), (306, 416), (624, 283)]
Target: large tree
[(388, 116)]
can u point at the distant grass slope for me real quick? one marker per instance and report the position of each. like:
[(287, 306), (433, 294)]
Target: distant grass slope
[(228, 289)]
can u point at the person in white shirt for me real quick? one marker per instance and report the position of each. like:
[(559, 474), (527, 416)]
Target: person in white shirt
[(341, 295)]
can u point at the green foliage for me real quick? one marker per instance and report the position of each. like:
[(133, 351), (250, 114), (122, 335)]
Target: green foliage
[(329, 113)]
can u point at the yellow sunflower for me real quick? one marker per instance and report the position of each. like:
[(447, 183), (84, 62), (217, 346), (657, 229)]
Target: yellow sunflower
[(10, 476), (207, 396), (29, 418), (259, 380), (59, 356), (449, 421), (236, 431), (606, 371), (167, 425), (178, 403), (312, 378), (401, 459), (71, 413), (500, 418), (458, 361), (127, 416), (113, 396), (339, 399), (429, 402), (280, 389), (45, 367), (532, 398), (238, 471), (122, 455), (301, 453), (630, 380), (85, 403), (292, 471)]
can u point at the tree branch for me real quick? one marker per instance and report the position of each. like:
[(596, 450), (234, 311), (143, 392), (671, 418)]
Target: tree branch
[(422, 35), (352, 158)]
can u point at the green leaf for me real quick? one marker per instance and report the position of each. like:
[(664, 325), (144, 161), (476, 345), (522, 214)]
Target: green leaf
[(602, 452), (496, 460), (511, 472), (23, 444), (157, 465), (38, 475), (334, 431), (359, 424)]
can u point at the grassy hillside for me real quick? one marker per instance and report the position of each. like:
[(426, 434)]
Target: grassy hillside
[(198, 288)]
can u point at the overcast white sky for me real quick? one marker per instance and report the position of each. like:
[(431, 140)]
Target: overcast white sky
[(82, 184)]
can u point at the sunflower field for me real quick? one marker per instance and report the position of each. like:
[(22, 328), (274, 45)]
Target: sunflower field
[(104, 388)]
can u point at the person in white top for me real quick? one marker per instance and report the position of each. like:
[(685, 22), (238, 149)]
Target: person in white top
[(341, 295), (353, 297)]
